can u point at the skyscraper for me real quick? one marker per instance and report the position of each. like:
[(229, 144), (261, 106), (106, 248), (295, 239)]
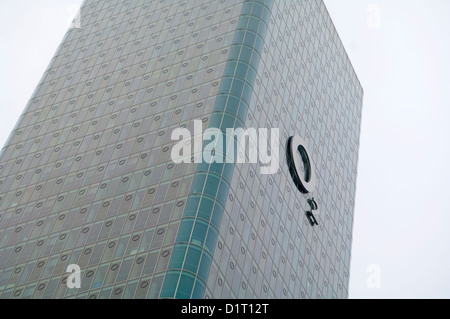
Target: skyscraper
[(87, 177)]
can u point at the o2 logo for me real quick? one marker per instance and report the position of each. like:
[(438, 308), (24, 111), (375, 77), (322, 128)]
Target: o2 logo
[(302, 171)]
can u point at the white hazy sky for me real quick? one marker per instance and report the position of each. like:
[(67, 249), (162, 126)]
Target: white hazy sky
[(400, 50)]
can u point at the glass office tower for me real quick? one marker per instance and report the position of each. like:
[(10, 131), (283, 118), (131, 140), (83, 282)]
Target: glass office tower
[(87, 177)]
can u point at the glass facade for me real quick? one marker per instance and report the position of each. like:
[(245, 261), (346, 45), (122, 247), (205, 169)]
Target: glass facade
[(87, 178), (305, 85)]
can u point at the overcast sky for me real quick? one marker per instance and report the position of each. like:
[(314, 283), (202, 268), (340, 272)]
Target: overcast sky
[(402, 214), (400, 50)]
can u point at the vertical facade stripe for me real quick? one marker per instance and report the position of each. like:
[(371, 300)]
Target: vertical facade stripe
[(191, 258)]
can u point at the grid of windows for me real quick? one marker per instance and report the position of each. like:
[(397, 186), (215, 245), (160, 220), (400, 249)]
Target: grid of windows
[(191, 261), (86, 176), (305, 85)]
